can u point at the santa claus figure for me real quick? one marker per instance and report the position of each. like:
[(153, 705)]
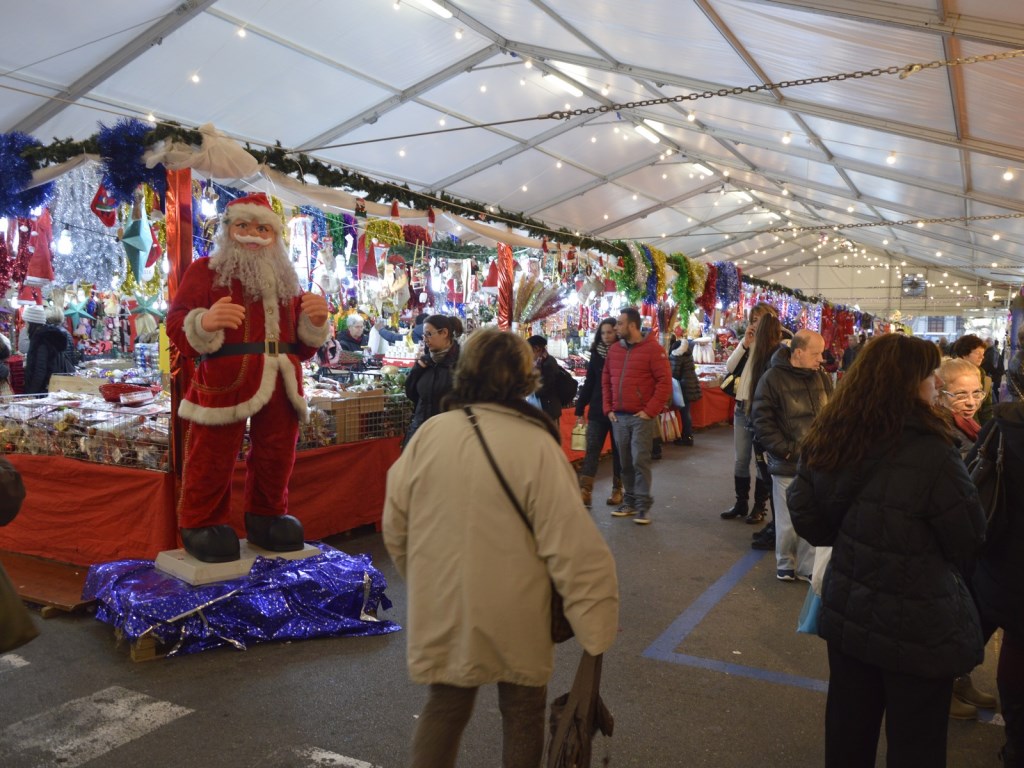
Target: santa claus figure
[(241, 315)]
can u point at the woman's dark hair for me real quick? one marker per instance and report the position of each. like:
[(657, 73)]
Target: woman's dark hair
[(873, 401), (497, 367), (963, 346), (446, 323), (597, 334), (767, 338)]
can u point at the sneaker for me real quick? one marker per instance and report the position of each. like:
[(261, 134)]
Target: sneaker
[(803, 577), (623, 511), (784, 574), (642, 519)]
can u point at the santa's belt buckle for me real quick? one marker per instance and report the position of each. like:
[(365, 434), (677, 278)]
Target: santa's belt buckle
[(270, 348)]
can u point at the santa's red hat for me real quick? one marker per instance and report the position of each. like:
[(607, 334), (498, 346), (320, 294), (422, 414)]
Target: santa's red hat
[(255, 207)]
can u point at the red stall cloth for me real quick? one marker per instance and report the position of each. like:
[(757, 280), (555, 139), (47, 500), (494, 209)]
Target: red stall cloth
[(95, 513), (714, 407), (565, 425)]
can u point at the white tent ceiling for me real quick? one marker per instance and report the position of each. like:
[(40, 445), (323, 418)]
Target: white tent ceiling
[(867, 158)]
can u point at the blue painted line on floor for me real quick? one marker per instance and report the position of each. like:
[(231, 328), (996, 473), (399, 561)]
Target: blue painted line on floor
[(664, 648)]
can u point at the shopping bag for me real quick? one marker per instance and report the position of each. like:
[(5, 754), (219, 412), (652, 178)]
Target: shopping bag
[(810, 613), (579, 437), (677, 394)]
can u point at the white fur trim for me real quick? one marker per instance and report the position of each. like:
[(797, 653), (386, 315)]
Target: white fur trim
[(203, 342), (272, 368), (248, 212), (312, 335)]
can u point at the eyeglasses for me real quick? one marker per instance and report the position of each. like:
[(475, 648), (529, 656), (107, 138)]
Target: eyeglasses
[(963, 397)]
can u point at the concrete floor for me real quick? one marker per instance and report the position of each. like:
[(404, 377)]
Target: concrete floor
[(707, 671)]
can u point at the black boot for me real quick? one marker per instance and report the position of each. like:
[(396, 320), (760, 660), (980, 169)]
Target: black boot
[(765, 538), (739, 509), (278, 534), (762, 490), (211, 543)]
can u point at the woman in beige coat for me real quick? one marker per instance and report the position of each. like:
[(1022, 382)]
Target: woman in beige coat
[(479, 582)]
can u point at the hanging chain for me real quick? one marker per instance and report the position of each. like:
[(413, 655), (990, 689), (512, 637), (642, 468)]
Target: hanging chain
[(903, 72), (904, 223)]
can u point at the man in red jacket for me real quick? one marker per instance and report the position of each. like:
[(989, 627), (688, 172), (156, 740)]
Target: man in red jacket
[(636, 385)]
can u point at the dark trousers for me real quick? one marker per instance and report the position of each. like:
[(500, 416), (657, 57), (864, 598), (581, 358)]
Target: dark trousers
[(916, 713), (435, 744), (598, 429), (684, 412), (1010, 679)]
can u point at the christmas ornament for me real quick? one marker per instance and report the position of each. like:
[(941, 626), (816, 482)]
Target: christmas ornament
[(147, 305), (97, 255), (104, 206), (77, 311), (137, 240), (122, 147), (16, 174)]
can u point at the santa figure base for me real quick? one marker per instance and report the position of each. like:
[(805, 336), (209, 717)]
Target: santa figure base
[(181, 565)]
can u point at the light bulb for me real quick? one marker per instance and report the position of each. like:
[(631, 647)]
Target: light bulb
[(64, 245), (891, 159), (207, 207), (787, 137), (241, 32), (1008, 175)]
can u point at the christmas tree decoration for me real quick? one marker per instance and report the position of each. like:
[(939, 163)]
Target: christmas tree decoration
[(97, 254), (148, 305), (385, 232), (122, 146), (16, 175), (76, 311), (40, 262), (709, 296), (137, 240), (727, 284)]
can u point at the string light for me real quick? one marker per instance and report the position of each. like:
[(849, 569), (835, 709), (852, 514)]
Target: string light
[(64, 244), (241, 32), (891, 159), (1008, 175), (195, 77), (458, 33), (787, 137)]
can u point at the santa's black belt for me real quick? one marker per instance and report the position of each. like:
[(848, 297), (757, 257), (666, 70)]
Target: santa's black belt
[(271, 348)]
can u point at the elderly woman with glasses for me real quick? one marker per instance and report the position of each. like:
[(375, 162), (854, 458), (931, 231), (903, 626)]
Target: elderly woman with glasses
[(962, 394)]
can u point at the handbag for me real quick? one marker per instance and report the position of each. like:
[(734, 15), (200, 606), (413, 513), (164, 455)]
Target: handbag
[(731, 381), (16, 625), (677, 394), (579, 437), (561, 629), (577, 716), (986, 471)]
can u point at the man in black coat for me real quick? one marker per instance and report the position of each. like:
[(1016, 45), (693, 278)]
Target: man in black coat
[(789, 396), (548, 394)]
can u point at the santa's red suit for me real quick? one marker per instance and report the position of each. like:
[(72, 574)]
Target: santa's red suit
[(252, 372)]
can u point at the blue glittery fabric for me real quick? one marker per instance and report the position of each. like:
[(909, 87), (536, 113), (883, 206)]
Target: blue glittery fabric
[(328, 595)]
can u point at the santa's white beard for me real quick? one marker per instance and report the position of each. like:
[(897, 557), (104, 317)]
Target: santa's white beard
[(265, 273)]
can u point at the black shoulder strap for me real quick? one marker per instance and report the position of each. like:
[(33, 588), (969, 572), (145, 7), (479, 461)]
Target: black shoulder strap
[(494, 465)]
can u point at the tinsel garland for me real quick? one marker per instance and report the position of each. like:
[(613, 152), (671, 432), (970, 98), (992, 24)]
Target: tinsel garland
[(16, 172), (642, 269), (96, 255), (681, 293), (341, 225), (6, 264), (660, 260), (415, 234), (698, 272), (709, 296), (318, 232), (651, 284), (385, 232), (121, 147), (727, 283), (626, 279)]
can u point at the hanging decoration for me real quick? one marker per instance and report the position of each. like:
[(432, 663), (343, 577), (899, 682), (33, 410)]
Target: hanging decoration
[(709, 296), (651, 284), (122, 146), (727, 283), (97, 254), (137, 241), (682, 294), (698, 272), (6, 264), (385, 232), (16, 174)]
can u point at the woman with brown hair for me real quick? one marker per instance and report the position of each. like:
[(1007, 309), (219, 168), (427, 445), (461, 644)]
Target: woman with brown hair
[(431, 378), (882, 484), (738, 365), (479, 576)]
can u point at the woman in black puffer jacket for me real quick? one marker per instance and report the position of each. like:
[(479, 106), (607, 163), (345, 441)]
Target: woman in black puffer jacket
[(599, 427), (999, 576), (685, 372), (431, 378), (881, 482)]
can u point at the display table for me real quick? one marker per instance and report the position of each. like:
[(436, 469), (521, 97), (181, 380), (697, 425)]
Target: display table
[(84, 513), (714, 407)]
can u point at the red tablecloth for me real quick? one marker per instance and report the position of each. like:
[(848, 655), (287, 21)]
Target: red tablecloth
[(83, 513), (713, 407)]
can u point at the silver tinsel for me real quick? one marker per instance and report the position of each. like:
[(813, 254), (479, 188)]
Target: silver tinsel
[(96, 255)]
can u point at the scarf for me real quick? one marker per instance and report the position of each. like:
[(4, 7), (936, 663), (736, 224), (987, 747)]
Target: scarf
[(969, 427), (601, 349), (440, 355)]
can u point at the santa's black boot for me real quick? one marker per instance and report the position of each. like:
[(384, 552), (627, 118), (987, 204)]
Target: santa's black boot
[(279, 533), (211, 543)]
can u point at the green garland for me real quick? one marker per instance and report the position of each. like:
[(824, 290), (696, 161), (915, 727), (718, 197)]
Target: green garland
[(301, 165), (681, 293), (626, 279)]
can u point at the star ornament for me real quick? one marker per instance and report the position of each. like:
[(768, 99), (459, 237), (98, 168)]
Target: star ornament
[(137, 242), (76, 311), (146, 305)]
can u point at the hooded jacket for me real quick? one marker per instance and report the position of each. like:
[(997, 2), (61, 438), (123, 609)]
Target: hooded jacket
[(47, 355), (899, 522), (636, 377), (999, 575), (786, 402), (479, 583)]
